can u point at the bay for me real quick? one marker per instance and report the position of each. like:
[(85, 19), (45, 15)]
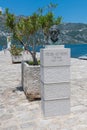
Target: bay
[(77, 50)]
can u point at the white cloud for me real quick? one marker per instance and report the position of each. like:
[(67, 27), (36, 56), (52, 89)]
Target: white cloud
[(1, 9)]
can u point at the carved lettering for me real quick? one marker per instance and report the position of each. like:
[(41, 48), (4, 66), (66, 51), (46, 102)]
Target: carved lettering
[(55, 56)]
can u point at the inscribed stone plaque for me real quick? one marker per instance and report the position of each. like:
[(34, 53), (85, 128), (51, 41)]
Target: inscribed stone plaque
[(55, 57)]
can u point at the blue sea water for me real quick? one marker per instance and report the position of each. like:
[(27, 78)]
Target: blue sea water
[(1, 47), (77, 50)]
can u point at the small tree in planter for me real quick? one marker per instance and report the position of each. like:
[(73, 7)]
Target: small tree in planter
[(31, 31), (16, 53)]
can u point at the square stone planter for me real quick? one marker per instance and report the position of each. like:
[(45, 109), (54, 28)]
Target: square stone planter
[(31, 80), (17, 59)]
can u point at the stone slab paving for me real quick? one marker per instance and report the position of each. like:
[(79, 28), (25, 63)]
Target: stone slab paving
[(17, 113)]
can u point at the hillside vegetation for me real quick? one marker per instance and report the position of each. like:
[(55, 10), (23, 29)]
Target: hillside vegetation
[(69, 32), (73, 33)]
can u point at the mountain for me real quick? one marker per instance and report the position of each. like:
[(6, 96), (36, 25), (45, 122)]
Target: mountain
[(69, 32), (4, 32), (73, 33)]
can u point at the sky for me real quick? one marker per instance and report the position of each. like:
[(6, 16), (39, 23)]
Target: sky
[(73, 11)]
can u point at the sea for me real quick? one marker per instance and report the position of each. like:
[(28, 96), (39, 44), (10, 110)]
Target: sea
[(77, 50)]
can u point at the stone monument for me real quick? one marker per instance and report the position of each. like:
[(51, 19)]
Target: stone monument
[(54, 35), (55, 80)]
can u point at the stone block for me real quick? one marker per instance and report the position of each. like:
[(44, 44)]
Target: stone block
[(56, 107), (55, 57), (55, 81), (55, 74), (55, 91), (54, 46)]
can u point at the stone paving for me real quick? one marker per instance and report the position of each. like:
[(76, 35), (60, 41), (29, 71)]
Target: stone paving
[(17, 113)]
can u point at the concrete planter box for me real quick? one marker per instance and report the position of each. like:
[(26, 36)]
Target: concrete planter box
[(17, 59), (31, 80)]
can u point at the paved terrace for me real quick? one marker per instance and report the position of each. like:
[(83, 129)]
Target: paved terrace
[(17, 113)]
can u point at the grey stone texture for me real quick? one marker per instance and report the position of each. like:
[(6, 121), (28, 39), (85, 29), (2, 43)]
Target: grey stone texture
[(25, 115), (58, 57), (16, 59), (55, 81), (55, 74), (55, 91), (31, 80), (54, 46), (55, 107)]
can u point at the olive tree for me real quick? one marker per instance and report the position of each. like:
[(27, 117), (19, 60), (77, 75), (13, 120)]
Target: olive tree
[(32, 30)]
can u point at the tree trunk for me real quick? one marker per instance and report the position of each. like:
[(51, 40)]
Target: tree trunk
[(33, 54), (34, 58)]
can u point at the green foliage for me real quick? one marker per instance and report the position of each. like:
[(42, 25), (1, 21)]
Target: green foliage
[(10, 21), (0, 12), (32, 63), (14, 50), (25, 29)]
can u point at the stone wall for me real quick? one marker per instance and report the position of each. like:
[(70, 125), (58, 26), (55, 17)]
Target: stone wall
[(31, 80)]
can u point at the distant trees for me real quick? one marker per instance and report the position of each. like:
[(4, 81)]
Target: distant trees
[(0, 12), (32, 30)]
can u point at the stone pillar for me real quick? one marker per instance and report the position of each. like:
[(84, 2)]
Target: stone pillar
[(8, 42), (55, 81)]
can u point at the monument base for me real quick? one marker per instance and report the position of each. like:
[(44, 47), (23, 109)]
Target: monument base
[(55, 81), (56, 107)]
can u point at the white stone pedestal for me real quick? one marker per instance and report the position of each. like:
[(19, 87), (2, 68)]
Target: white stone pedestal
[(55, 81)]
